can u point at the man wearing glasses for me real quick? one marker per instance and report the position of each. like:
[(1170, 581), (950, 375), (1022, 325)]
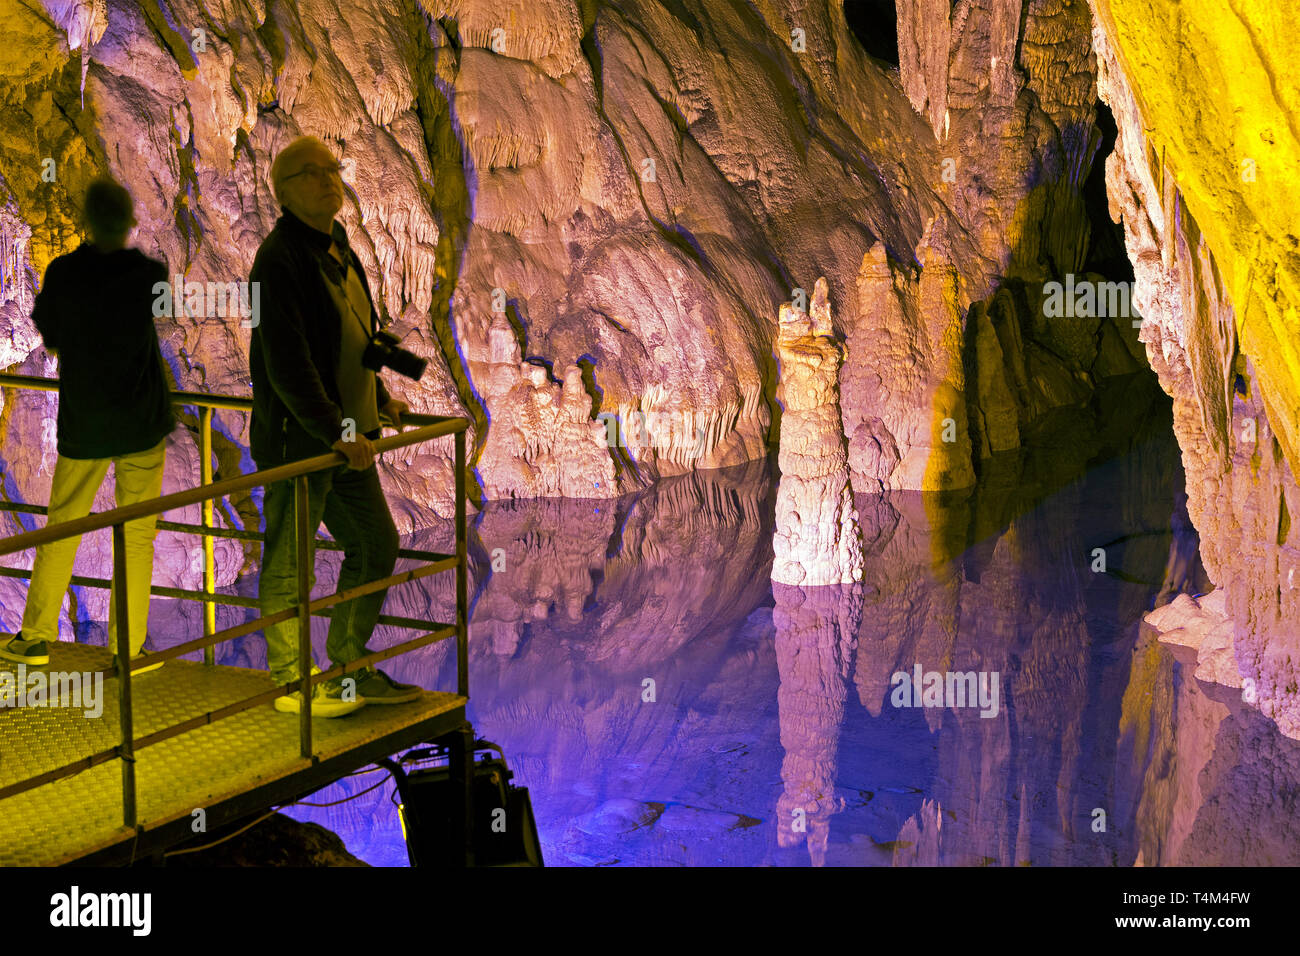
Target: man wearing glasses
[(311, 394)]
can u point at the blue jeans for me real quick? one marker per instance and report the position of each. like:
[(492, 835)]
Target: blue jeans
[(356, 513)]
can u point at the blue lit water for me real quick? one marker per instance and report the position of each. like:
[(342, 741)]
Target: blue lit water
[(771, 738), (667, 704)]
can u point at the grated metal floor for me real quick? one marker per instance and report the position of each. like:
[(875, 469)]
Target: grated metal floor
[(78, 815)]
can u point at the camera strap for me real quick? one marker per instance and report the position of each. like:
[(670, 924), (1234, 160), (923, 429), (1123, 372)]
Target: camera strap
[(347, 268)]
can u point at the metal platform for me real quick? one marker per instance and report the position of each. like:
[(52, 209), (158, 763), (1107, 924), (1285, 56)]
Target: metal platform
[(229, 769)]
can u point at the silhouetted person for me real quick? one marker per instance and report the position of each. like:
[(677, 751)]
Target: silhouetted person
[(95, 311), (311, 394)]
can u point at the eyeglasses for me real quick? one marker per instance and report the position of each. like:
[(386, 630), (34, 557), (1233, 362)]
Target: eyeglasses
[(311, 169)]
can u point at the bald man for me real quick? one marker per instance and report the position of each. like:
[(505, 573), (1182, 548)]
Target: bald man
[(311, 395)]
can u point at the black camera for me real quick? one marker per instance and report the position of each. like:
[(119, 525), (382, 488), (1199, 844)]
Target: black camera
[(382, 351)]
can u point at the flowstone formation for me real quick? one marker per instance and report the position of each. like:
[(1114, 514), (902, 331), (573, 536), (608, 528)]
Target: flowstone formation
[(817, 539), (905, 383), (544, 440)]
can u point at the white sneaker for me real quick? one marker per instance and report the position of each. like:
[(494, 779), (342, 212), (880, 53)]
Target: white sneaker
[(326, 701), (141, 656)]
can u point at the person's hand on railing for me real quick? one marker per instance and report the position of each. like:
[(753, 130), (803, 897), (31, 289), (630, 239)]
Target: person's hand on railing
[(394, 409), (360, 452)]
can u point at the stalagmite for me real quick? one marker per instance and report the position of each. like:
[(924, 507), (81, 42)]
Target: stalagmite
[(817, 539)]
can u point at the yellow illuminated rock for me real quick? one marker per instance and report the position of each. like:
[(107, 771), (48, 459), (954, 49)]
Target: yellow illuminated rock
[(1219, 96)]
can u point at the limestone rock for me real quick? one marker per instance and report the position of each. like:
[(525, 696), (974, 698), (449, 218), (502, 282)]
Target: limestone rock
[(1229, 416), (905, 403), (1203, 625)]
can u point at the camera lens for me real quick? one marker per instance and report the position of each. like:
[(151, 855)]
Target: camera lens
[(406, 363), (383, 352)]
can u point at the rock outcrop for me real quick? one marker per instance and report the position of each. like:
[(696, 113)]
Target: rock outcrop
[(1202, 624)]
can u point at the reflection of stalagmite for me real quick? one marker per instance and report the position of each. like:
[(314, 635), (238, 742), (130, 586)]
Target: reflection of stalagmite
[(815, 638), (817, 539), (920, 842), (1010, 603), (679, 557), (542, 553)]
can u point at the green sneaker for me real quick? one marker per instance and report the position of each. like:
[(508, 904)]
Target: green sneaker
[(378, 688), (34, 653)]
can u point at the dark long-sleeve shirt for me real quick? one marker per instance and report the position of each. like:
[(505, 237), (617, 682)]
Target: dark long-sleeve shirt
[(96, 309), (294, 353)]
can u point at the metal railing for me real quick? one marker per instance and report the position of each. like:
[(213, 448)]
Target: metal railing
[(428, 427)]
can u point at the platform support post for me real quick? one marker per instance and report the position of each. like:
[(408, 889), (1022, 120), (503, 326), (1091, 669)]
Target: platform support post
[(303, 535), (209, 557), (461, 748), (126, 749)]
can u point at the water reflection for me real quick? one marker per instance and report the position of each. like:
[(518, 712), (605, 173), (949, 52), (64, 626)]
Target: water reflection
[(666, 704)]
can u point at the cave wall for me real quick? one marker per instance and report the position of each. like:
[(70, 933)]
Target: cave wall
[(576, 208), (1215, 286), (629, 189), (1235, 158)]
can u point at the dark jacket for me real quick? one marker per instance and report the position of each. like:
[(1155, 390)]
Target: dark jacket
[(96, 309), (297, 409)]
